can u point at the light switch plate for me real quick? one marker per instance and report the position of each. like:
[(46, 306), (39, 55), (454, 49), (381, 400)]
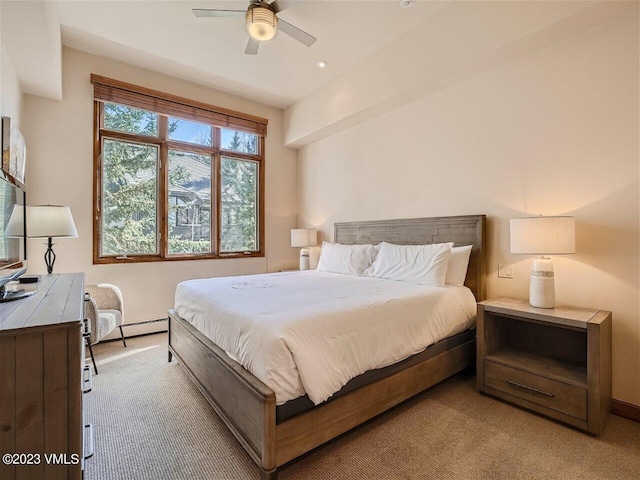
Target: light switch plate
[(504, 271)]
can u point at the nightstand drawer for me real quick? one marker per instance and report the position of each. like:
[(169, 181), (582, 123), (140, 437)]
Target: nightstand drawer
[(558, 396)]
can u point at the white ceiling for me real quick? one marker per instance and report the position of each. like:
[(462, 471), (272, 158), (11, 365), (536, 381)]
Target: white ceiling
[(30, 32), (372, 46), (166, 36)]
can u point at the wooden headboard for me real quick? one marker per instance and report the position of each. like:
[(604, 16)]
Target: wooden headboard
[(462, 230)]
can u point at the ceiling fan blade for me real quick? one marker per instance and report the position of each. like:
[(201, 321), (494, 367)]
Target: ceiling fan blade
[(252, 46), (279, 5), (210, 12), (295, 33)]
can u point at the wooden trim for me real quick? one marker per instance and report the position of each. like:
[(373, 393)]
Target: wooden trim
[(261, 183), (127, 136), (176, 144), (110, 90), (97, 179), (189, 147), (625, 410), (175, 258)]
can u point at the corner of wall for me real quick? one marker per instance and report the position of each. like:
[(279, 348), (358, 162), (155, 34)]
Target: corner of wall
[(11, 96)]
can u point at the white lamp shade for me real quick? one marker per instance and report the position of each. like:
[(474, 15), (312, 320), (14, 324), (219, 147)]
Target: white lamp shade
[(543, 235), (50, 221), (304, 237)]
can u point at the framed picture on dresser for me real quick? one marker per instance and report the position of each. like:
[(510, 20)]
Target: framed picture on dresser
[(14, 150)]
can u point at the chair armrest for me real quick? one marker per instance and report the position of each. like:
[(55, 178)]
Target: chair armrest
[(107, 297), (91, 313)]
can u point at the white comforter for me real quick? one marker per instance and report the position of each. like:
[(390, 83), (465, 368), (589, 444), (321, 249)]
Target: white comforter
[(314, 331)]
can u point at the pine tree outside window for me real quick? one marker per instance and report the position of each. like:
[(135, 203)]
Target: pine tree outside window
[(171, 185)]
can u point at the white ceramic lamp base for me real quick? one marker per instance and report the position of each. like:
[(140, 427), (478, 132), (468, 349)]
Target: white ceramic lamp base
[(304, 259), (542, 288)]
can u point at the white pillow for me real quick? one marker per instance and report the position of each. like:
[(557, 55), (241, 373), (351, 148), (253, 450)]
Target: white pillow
[(458, 264), (421, 264), (347, 259)]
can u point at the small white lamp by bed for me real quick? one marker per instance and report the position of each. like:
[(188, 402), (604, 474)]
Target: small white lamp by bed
[(543, 236), (304, 237)]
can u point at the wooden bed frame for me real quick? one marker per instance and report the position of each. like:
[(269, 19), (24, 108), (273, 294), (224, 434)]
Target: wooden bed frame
[(248, 407)]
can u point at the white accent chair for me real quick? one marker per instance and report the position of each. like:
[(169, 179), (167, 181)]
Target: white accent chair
[(104, 310)]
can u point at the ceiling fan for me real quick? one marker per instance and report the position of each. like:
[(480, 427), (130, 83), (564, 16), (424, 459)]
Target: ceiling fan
[(262, 23)]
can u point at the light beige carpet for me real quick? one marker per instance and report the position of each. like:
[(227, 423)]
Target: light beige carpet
[(151, 422)]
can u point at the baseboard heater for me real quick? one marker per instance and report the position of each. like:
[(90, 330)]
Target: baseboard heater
[(144, 322), (140, 334)]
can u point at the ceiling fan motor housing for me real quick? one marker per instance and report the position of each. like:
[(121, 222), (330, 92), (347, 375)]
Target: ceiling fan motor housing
[(261, 21)]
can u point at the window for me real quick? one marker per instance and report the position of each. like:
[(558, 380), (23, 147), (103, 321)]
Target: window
[(239, 204), (190, 202), (175, 179)]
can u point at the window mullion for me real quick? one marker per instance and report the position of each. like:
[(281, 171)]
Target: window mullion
[(260, 199), (215, 194), (163, 182), (189, 147), (217, 138), (215, 191)]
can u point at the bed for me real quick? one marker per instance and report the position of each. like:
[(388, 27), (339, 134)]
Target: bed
[(276, 434)]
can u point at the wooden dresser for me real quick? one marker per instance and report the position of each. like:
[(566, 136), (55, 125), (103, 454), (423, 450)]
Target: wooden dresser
[(41, 381), (554, 361)]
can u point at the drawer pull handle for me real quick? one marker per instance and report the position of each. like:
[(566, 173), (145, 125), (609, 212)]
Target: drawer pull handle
[(535, 390), (87, 380), (88, 441), (86, 330)]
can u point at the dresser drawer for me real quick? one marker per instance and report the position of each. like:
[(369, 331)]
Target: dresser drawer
[(564, 398)]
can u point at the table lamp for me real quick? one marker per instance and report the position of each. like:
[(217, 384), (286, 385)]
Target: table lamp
[(304, 237), (48, 221), (543, 236)]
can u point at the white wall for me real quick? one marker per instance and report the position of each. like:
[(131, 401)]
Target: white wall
[(60, 171), (10, 91), (459, 42), (555, 132), (31, 36)]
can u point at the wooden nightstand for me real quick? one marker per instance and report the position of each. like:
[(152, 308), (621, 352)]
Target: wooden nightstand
[(556, 362)]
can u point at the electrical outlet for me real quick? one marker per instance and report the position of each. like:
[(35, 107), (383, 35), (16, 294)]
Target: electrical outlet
[(504, 271)]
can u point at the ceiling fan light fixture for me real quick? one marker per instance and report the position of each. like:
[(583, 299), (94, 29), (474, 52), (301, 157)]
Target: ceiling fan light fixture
[(261, 23)]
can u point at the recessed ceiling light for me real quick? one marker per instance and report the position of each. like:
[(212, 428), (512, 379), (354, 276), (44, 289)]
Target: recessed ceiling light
[(407, 3), (322, 64)]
